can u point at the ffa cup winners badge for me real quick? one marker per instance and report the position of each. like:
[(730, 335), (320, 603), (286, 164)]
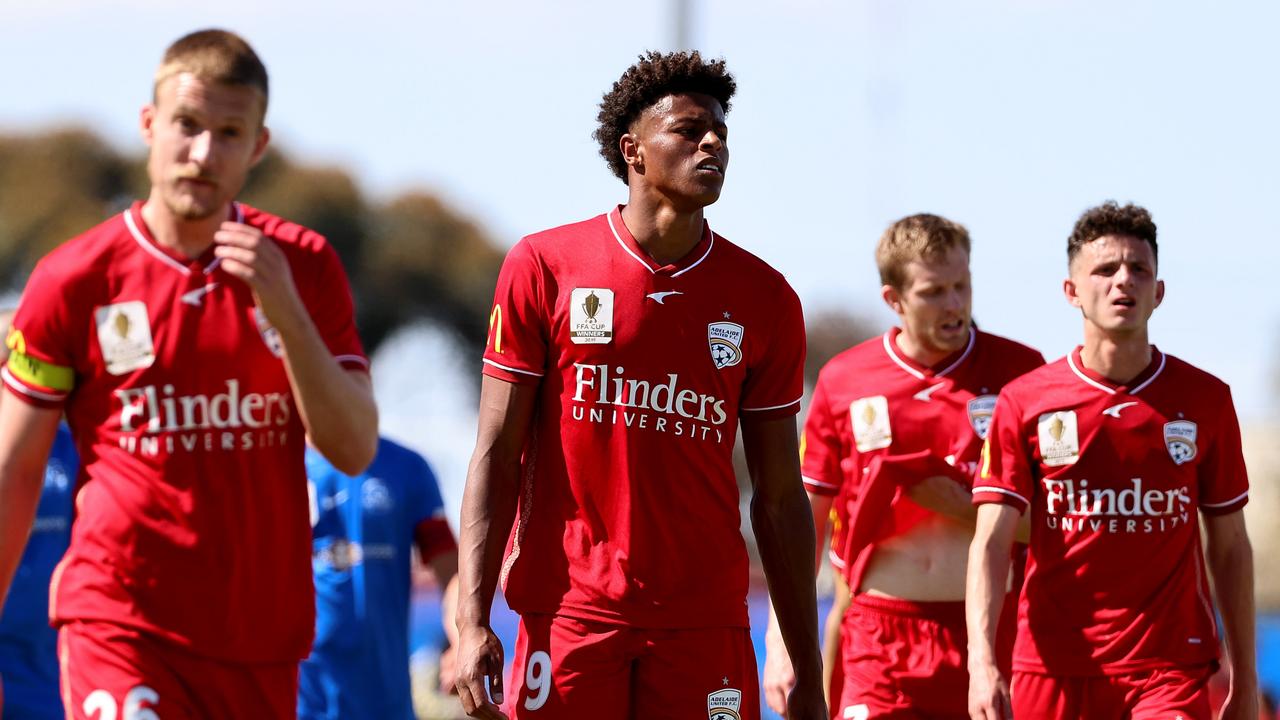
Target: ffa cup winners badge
[(869, 417), (1059, 438), (591, 316), (725, 339), (724, 704), (124, 335), (1180, 440)]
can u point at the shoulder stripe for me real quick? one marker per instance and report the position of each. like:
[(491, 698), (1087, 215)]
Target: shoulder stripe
[(1228, 503), (1000, 490), (511, 369), (770, 407)]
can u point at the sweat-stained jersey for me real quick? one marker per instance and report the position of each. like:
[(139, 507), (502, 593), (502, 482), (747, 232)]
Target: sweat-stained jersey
[(873, 401), (192, 514), (1114, 476), (628, 511)]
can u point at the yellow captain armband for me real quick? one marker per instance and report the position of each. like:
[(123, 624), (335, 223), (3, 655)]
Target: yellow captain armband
[(33, 371)]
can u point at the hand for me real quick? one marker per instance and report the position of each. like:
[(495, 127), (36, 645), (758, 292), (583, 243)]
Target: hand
[(779, 676), (806, 702), (942, 495), (479, 658), (988, 694), (256, 259), (449, 670)]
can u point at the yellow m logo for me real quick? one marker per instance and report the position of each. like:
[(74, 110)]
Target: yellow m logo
[(495, 328)]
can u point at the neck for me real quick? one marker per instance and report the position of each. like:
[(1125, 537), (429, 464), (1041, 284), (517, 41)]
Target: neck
[(911, 347), (665, 233), (1117, 357), (189, 238)]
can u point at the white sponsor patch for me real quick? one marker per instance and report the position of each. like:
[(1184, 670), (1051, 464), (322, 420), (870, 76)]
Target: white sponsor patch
[(980, 410), (870, 420), (591, 316), (124, 334), (724, 704), (376, 497), (725, 339), (1059, 439), (1180, 440)]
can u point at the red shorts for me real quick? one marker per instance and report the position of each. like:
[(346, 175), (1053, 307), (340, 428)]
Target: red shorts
[(1161, 694), (907, 660), (572, 669), (110, 671)]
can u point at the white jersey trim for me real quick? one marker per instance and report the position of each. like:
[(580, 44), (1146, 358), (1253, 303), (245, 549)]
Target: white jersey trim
[(711, 242), (836, 561), (1232, 501), (893, 355), (352, 358), (618, 237), (17, 384), (511, 369), (137, 235), (771, 407), (1002, 491), (1071, 362), (818, 483)]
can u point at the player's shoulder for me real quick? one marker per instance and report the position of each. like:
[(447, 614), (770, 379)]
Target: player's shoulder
[(747, 266), (854, 360), (89, 254), (289, 234), (394, 452), (567, 239), (1189, 378), (1011, 350), (1040, 379)]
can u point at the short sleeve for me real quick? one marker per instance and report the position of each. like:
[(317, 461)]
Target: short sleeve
[(333, 312), (1004, 471), (820, 446), (42, 341), (775, 380), (516, 349), (1223, 479)]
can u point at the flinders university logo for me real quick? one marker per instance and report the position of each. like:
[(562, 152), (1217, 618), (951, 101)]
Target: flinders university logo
[(725, 339), (591, 316), (724, 704), (1180, 439)]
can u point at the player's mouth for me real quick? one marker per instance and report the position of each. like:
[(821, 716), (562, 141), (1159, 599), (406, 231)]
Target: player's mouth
[(954, 326), (712, 166), (1124, 302)]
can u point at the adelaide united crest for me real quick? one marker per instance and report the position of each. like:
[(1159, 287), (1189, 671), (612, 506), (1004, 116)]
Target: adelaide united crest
[(725, 339)]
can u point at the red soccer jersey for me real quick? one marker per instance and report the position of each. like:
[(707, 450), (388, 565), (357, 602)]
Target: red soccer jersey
[(629, 508), (192, 516), (1114, 476), (873, 401)]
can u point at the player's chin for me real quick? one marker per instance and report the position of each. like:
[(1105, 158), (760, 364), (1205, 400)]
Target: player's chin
[(189, 206)]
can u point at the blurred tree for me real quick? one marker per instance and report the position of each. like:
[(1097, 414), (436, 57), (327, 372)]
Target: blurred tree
[(829, 333)]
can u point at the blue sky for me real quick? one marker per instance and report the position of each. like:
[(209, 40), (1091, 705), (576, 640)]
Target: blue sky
[(1010, 117)]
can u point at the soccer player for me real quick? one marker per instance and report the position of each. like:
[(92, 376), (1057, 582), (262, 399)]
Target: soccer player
[(364, 527), (625, 352), (894, 430), (28, 646), (1121, 454), (193, 342)]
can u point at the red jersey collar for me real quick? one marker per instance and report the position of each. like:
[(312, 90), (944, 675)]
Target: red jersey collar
[(942, 368), (1133, 387), (183, 264), (691, 259)]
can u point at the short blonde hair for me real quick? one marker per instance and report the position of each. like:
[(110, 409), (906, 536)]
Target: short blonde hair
[(916, 237), (215, 55)]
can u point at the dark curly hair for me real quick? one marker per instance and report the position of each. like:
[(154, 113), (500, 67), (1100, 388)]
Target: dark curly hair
[(654, 77), (1110, 218)]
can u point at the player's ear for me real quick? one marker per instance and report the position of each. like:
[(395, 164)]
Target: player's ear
[(892, 298), (1069, 290), (629, 144), (146, 119), (1159, 292), (260, 144)]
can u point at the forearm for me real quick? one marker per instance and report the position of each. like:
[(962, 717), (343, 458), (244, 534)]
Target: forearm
[(986, 579), (1232, 568), (783, 529), (336, 404), (488, 511), (19, 497)]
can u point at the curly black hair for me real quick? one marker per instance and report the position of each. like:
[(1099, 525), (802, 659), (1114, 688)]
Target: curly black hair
[(654, 77), (1110, 218)]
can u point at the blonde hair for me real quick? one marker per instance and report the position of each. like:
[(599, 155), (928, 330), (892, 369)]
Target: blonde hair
[(916, 237), (215, 55)]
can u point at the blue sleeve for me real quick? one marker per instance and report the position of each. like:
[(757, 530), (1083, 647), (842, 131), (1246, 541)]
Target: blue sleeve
[(424, 498)]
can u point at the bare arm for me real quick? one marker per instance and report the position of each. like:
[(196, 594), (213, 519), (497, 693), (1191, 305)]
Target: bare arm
[(444, 567), (783, 522), (26, 434), (1230, 559), (987, 578), (488, 510), (336, 404)]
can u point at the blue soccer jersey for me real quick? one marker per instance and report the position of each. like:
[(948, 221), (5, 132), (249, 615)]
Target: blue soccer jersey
[(363, 529), (28, 646)]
